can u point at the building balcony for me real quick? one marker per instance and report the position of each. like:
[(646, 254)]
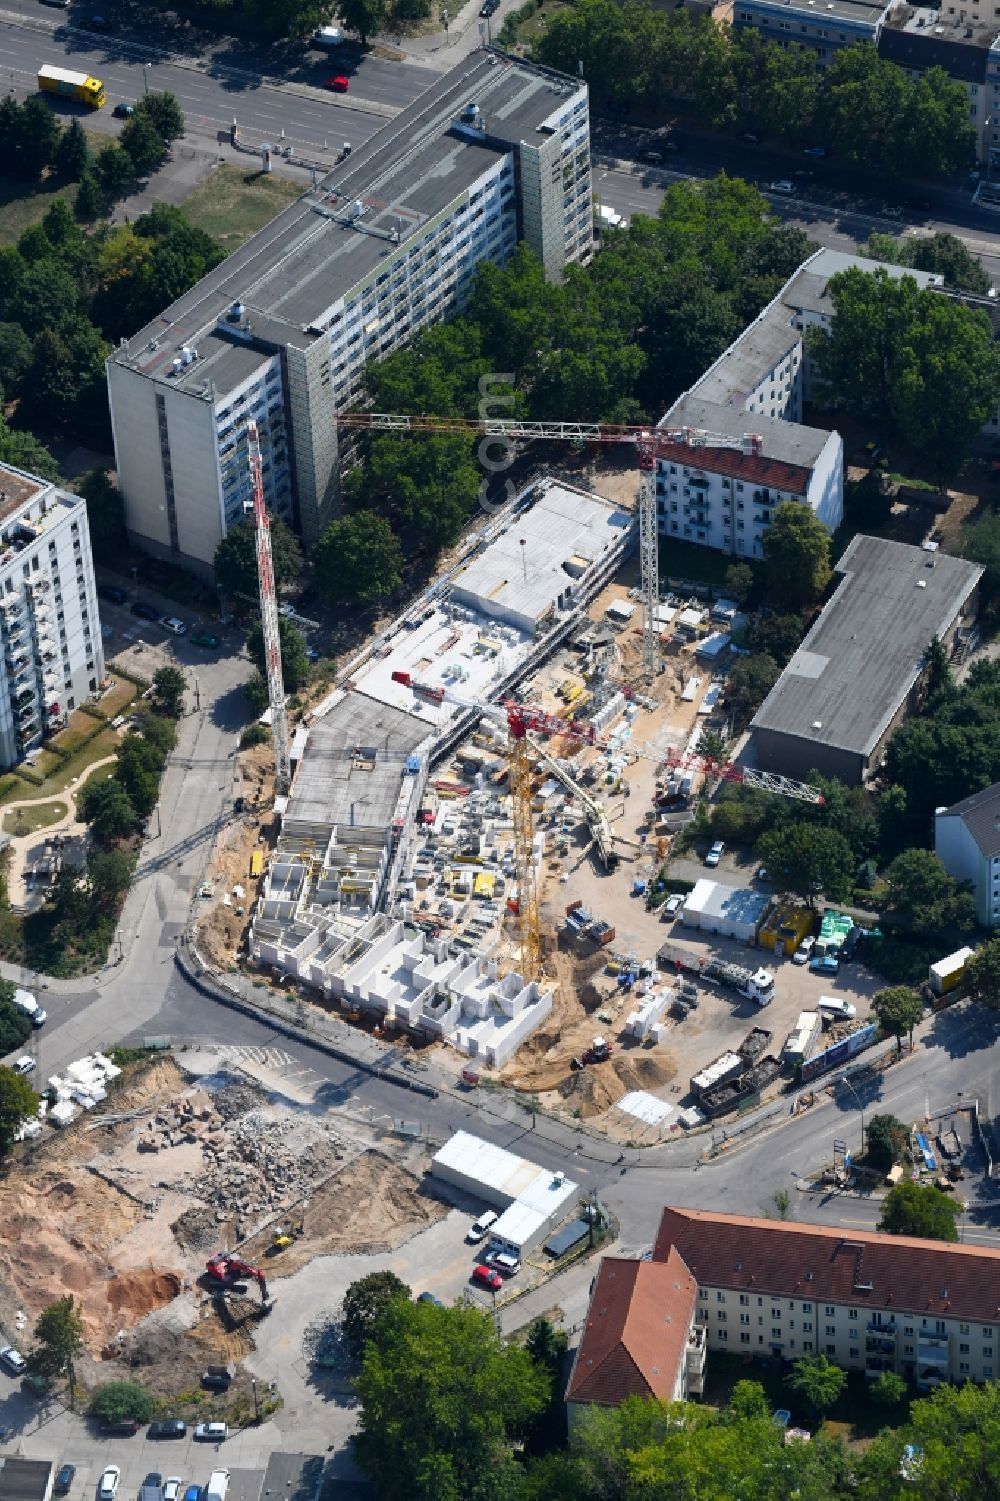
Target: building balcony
[(695, 1355), (876, 1364), (881, 1326)]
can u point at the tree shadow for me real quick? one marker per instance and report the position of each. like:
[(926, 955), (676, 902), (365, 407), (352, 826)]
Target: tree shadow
[(232, 710), (961, 1030)]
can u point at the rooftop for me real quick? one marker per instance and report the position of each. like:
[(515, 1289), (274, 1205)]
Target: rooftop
[(16, 489), (924, 37), (523, 571), (859, 11), (25, 1479), (505, 1173), (636, 1331), (735, 903), (788, 443), (837, 689), (981, 815), (354, 763), (290, 275), (808, 289), (749, 358), (862, 1268)]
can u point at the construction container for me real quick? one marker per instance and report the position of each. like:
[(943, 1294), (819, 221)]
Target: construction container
[(785, 928), (947, 973)]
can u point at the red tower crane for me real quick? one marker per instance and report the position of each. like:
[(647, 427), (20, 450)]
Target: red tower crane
[(269, 619)]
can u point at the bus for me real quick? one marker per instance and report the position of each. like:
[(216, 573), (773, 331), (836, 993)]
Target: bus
[(71, 85)]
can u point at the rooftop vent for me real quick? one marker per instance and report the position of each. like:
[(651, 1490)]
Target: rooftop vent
[(471, 113), (817, 724), (921, 583)]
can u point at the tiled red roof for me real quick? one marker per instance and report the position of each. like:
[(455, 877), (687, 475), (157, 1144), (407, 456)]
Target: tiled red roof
[(862, 1268), (754, 469), (637, 1329)]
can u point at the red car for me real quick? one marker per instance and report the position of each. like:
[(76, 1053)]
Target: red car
[(338, 83), (487, 1277)]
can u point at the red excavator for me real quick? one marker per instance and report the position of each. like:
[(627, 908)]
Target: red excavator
[(227, 1270)]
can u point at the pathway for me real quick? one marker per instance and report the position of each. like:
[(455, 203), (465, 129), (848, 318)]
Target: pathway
[(27, 848)]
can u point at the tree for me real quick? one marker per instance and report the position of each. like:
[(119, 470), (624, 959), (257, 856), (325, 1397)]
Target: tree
[(142, 144), (885, 1141), (15, 1024), (58, 1341), (944, 254), (782, 1201), (169, 687), (235, 559), (39, 138), (748, 1402), (366, 17), (919, 1209), (778, 636), (982, 975), (294, 659), (957, 1430), (358, 560), (116, 1401), (797, 550), (808, 859), (817, 1381), (138, 771), (89, 201), (25, 452), (164, 113), (15, 356), (738, 582), (922, 895), (750, 681), (365, 1305), (72, 153), (937, 666), (115, 170), (18, 1103), (107, 808), (888, 1390), (441, 1400), (105, 512)]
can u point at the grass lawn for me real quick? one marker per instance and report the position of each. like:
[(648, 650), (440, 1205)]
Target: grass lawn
[(117, 698), (24, 203), (696, 565), (58, 773), (231, 205), (538, 23), (30, 820), (855, 1418)]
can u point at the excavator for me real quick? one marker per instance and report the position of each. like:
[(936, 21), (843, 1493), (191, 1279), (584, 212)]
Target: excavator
[(226, 1270)]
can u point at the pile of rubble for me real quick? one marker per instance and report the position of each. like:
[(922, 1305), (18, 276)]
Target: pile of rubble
[(191, 1118)]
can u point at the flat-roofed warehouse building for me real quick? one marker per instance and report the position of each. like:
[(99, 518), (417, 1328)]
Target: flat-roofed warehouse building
[(858, 672), (497, 151), (532, 1200)]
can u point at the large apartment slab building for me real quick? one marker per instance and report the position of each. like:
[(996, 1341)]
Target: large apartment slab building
[(496, 152)]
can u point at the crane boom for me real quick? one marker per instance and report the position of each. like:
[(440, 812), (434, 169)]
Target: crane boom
[(269, 619), (732, 771), (588, 432)]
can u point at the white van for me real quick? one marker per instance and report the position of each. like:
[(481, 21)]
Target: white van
[(26, 1002), (478, 1228), (505, 1262), (830, 1005), (326, 37), (218, 1485)]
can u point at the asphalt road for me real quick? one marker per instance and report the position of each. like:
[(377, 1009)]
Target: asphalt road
[(215, 88)]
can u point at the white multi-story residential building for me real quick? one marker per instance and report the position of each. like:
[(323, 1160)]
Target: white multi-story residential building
[(967, 842), (825, 28), (958, 39), (869, 1302), (495, 152), (49, 626)]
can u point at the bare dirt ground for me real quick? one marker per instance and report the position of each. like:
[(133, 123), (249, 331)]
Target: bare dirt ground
[(221, 926)]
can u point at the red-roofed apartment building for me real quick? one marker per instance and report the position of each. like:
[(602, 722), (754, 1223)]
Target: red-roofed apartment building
[(869, 1302)]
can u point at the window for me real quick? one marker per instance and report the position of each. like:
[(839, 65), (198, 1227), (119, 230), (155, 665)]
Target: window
[(963, 1328), (829, 1310), (807, 1308), (807, 1326), (744, 1301), (852, 1314), (775, 1333), (723, 1333), (722, 1316), (807, 1345), (963, 1365), (744, 1339), (744, 1318), (831, 1349), (963, 1349), (831, 1328)]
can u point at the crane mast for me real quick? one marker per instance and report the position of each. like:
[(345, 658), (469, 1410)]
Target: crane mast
[(269, 619)]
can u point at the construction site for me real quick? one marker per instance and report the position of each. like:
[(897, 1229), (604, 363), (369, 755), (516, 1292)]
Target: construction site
[(463, 832), (175, 1209)]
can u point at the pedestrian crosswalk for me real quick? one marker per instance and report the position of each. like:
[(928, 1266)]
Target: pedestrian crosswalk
[(263, 1057)]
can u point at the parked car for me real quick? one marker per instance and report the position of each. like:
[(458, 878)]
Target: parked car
[(64, 1480), (193, 1493), (715, 853), (124, 1428), (338, 83), (154, 1480), (832, 1005), (485, 1276), (489, 8), (217, 1378), (205, 639), (145, 611), (850, 944), (814, 151), (172, 1488), (782, 185), (212, 1433), (168, 1428), (109, 1483), (25, 1064), (173, 625), (429, 1298), (803, 953), (94, 23), (13, 1360), (825, 964), (123, 111), (503, 1262), (673, 905), (114, 592)]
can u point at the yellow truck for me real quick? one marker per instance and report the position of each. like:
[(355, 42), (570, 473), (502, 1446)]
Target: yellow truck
[(70, 85)]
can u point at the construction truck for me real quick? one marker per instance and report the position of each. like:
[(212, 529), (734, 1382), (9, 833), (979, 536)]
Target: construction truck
[(600, 1051), (756, 984), (224, 1272)]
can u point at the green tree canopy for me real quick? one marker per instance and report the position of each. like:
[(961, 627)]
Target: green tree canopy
[(114, 1401), (885, 1139), (142, 144), (58, 1341), (750, 681), (817, 1381), (888, 1390), (294, 659), (358, 560), (365, 1304), (15, 1025), (18, 1102), (982, 975), (898, 1010), (236, 559), (919, 1209), (922, 895), (808, 859), (72, 156), (164, 113), (107, 808), (441, 1402), (797, 550), (169, 687), (941, 253), (105, 512), (366, 17)]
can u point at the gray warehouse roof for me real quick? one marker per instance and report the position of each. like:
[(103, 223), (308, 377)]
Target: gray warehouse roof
[(292, 271), (858, 11), (857, 665), (981, 815)]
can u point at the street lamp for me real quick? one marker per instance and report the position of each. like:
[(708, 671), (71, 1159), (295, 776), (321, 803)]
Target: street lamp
[(444, 17), (256, 1404), (145, 77), (845, 1080)]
